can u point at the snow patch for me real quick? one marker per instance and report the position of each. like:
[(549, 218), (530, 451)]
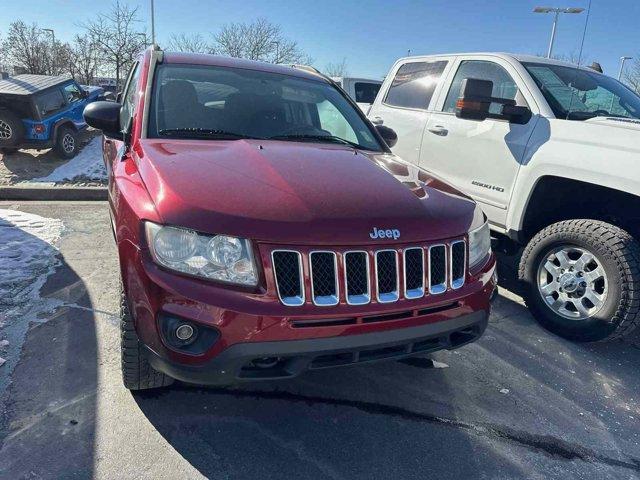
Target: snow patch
[(28, 255), (87, 165)]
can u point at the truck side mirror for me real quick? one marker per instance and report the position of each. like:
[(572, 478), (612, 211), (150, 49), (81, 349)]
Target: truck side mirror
[(475, 99), (104, 116), (389, 136)]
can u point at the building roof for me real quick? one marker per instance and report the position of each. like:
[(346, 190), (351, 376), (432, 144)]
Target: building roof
[(29, 84)]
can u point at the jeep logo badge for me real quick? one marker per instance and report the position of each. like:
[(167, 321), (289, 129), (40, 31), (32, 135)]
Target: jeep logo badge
[(389, 233)]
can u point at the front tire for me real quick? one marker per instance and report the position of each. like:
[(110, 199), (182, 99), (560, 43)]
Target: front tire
[(137, 373), (66, 142), (582, 280)]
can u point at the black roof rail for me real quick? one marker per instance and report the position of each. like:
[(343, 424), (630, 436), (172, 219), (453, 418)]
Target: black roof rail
[(310, 69)]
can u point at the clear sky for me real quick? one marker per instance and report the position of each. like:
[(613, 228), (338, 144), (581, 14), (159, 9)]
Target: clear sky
[(372, 34)]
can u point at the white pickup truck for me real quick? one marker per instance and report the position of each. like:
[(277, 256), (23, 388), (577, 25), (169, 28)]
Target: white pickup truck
[(552, 153)]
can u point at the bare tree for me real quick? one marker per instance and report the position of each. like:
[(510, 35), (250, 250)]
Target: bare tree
[(336, 69), (28, 48), (118, 37), (632, 76), (84, 59), (258, 40), (194, 43)]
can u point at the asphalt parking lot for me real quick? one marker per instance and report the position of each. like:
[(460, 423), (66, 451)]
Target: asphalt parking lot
[(520, 403)]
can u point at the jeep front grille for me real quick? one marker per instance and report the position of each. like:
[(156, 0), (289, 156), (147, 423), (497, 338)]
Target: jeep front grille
[(407, 273)]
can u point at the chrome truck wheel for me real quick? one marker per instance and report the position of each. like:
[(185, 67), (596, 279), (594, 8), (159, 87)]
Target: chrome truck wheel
[(581, 280)]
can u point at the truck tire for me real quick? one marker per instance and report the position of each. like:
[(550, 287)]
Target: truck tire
[(11, 129), (582, 280), (66, 142), (137, 373)]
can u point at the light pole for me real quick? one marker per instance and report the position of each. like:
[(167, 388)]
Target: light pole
[(53, 35), (622, 60), (153, 25), (556, 11)]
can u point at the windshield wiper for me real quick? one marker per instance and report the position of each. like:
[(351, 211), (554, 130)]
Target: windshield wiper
[(321, 138), (202, 133)]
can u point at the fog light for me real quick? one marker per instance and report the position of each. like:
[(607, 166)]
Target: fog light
[(186, 336), (184, 332)]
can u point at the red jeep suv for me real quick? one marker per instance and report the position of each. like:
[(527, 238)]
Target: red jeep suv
[(264, 228)]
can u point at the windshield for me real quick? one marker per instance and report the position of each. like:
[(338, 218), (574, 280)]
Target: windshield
[(577, 94), (212, 102)]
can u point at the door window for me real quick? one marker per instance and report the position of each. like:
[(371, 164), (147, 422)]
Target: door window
[(366, 92), (503, 84), (50, 102), (126, 112), (414, 84), (72, 93)]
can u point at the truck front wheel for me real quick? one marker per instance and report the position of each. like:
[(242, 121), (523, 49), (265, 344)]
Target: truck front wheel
[(582, 280)]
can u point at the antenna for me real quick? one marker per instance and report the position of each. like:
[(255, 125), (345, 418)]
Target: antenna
[(584, 34)]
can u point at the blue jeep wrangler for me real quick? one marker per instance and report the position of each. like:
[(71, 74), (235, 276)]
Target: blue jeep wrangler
[(39, 111)]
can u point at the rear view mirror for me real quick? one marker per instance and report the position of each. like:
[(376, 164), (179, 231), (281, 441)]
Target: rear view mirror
[(388, 135), (104, 116), (475, 101)]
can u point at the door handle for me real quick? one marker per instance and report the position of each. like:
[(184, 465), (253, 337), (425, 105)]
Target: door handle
[(439, 130), (377, 120)]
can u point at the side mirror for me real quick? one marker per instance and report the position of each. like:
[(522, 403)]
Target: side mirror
[(119, 97), (104, 116), (388, 135), (475, 101)]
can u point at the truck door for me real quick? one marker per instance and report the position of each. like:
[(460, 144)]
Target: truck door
[(405, 100), (482, 158)]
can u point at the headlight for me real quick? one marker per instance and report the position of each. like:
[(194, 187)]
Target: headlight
[(479, 244), (217, 257)]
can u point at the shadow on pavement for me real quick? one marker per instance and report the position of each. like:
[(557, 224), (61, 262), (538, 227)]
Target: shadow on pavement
[(48, 426)]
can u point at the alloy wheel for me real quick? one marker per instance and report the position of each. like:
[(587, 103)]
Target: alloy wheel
[(68, 143), (572, 282), (5, 130)]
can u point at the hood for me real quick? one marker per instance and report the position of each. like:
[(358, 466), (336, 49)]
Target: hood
[(298, 193), (92, 90), (627, 123)]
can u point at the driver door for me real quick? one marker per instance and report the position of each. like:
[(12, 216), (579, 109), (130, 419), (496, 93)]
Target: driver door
[(482, 158)]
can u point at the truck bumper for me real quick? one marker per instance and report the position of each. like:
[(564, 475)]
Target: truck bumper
[(252, 361)]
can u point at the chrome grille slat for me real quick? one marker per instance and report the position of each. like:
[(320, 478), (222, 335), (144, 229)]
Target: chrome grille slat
[(323, 268), (432, 269), (458, 263), (287, 268), (357, 277), (387, 278), (437, 269), (413, 272)]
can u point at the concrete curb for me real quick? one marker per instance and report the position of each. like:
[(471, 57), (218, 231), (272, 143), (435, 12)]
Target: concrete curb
[(33, 191)]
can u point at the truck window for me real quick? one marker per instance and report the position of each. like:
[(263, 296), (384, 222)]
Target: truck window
[(503, 84), (126, 112), (414, 84), (366, 92), (72, 93), (49, 102), (576, 94)]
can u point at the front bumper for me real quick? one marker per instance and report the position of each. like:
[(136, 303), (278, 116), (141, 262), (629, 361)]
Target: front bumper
[(292, 357), (254, 325)]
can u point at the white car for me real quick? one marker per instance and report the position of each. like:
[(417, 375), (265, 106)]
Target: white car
[(552, 153), (362, 90)]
